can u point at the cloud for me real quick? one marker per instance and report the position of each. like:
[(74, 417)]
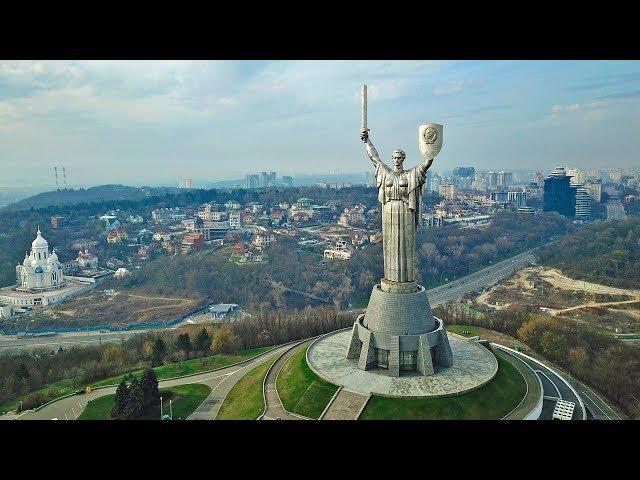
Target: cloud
[(572, 107), (120, 120)]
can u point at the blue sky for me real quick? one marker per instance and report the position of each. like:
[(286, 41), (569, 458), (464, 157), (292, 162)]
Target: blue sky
[(150, 122)]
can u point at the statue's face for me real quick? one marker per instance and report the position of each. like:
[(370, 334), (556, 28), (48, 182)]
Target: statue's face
[(398, 159)]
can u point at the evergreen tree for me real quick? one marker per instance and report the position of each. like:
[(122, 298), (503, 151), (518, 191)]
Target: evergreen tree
[(134, 407), (159, 352), (120, 403), (203, 340), (184, 342), (149, 384)]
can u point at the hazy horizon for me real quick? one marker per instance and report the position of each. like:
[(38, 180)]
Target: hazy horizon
[(154, 122)]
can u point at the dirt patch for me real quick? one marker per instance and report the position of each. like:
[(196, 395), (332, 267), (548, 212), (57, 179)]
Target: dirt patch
[(558, 280), (616, 310), (119, 308)]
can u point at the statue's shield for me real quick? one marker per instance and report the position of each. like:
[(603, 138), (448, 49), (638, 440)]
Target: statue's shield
[(429, 139)]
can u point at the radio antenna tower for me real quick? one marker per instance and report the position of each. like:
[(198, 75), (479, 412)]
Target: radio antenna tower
[(56, 170), (64, 175)]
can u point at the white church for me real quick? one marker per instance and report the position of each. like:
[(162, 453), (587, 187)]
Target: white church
[(41, 281), (40, 269)]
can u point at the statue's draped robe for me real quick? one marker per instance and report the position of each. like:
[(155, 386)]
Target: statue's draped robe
[(399, 194)]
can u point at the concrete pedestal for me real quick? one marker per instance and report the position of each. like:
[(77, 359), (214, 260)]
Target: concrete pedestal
[(398, 332)]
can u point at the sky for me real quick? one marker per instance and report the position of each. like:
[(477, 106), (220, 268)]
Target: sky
[(155, 122)]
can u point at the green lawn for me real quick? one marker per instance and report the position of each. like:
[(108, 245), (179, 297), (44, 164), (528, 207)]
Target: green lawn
[(490, 402), (245, 400), (302, 391), (186, 367), (360, 303), (185, 399), (189, 367), (47, 393), (464, 330)]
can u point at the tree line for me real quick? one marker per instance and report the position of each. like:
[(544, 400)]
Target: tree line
[(22, 374)]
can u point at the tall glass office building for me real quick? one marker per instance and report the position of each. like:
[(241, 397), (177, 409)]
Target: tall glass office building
[(583, 204), (559, 194)]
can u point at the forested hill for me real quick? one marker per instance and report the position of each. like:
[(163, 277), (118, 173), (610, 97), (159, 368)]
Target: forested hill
[(604, 252), (442, 253), (100, 193)]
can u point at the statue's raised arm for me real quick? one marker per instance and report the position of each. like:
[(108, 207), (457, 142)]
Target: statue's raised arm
[(371, 150)]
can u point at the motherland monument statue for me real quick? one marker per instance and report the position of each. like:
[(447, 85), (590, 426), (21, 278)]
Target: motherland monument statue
[(398, 331)]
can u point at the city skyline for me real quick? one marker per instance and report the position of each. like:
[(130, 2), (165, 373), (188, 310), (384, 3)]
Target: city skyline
[(153, 122)]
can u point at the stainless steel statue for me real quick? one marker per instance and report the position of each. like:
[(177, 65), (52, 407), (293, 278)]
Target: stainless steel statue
[(399, 192), (398, 333)]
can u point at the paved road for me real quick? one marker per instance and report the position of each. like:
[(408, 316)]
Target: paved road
[(11, 343), (597, 407), (481, 279), (220, 382), (553, 386), (274, 409)]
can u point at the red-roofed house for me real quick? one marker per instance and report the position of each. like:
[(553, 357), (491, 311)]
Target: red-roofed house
[(239, 248)]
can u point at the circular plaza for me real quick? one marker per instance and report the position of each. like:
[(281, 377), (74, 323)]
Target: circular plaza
[(473, 366)]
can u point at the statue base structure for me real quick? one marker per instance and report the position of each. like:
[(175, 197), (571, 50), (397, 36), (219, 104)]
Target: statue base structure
[(399, 333)]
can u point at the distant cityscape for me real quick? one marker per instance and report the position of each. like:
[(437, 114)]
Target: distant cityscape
[(471, 196)]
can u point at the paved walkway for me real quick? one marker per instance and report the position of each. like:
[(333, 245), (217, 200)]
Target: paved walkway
[(220, 382), (345, 406), (211, 405), (274, 409)]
